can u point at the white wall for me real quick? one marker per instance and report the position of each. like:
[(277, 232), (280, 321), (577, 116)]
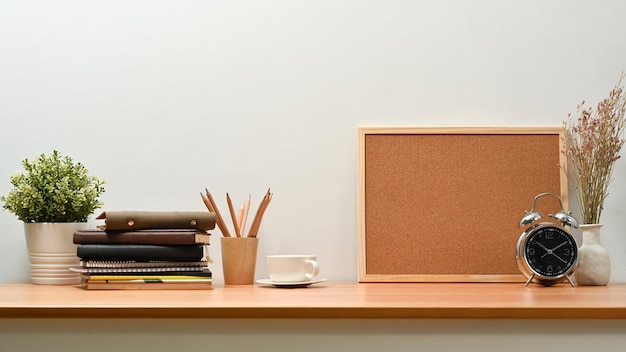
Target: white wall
[(164, 98)]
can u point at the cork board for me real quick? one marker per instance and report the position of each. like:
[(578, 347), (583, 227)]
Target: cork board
[(444, 204)]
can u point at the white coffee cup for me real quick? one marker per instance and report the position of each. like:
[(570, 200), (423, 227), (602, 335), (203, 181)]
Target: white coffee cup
[(292, 267)]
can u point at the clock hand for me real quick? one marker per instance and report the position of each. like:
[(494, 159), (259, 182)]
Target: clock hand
[(551, 251), (562, 244), (544, 247), (561, 259)]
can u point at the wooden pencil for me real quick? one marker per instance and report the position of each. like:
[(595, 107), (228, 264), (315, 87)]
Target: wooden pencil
[(240, 218), (256, 223), (206, 202), (219, 221), (265, 205), (251, 232), (244, 217), (232, 215), (218, 216)]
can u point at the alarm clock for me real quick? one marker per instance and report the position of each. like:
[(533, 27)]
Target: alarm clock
[(546, 252)]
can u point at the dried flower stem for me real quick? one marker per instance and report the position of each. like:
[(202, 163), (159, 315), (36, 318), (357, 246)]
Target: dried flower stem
[(592, 142)]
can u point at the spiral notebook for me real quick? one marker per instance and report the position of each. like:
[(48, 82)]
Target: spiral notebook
[(138, 270), (136, 264)]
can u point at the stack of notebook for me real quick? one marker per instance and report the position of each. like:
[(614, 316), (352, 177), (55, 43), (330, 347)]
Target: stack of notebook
[(146, 250)]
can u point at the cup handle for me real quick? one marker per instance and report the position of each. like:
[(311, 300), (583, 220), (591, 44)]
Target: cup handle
[(315, 269)]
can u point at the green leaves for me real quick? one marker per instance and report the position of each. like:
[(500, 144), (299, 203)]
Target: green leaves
[(53, 188)]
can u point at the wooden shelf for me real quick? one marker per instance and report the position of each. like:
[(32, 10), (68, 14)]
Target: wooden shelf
[(324, 300)]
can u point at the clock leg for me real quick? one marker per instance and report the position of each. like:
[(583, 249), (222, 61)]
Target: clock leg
[(570, 280), (530, 279)]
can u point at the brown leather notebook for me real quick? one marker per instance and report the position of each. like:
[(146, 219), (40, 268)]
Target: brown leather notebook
[(138, 220), (152, 236)]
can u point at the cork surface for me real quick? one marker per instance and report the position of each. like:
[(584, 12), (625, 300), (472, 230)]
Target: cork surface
[(450, 204)]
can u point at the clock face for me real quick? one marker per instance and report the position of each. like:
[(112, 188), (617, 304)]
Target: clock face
[(550, 251)]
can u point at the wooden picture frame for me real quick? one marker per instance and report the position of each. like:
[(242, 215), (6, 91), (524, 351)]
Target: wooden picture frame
[(444, 204)]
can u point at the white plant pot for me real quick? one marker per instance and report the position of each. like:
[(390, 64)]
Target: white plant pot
[(52, 252)]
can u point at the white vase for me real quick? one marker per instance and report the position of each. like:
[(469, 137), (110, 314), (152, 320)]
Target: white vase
[(594, 265), (51, 252)]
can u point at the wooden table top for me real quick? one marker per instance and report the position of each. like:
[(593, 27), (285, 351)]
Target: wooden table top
[(322, 300)]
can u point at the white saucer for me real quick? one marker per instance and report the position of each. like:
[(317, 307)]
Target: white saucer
[(290, 284)]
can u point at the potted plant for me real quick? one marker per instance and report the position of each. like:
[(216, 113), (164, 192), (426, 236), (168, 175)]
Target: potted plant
[(54, 196), (592, 143)]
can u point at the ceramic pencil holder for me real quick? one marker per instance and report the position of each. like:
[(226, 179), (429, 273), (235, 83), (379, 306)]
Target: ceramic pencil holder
[(239, 259)]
